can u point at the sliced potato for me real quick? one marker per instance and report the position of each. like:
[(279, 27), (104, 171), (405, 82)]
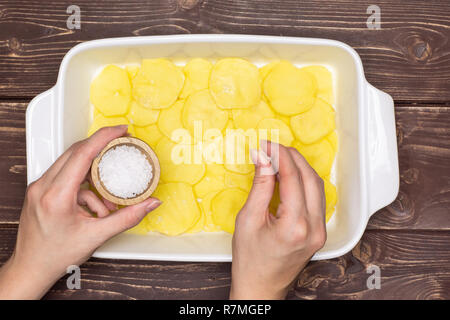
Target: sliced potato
[(176, 163), (320, 156), (241, 181), (314, 124), (157, 84), (249, 118), (101, 121), (205, 207), (170, 119), (324, 82), (333, 140), (177, 213), (111, 91), (235, 83), (150, 134), (290, 90), (209, 183), (264, 71), (196, 73), (140, 116), (132, 71), (225, 206), (201, 108), (276, 130)]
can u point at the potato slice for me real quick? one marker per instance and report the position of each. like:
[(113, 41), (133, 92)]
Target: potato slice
[(331, 198), (170, 119), (290, 90), (314, 124), (235, 83), (205, 207), (324, 82), (140, 116), (333, 140), (284, 137), (225, 206), (132, 71), (111, 91), (320, 156), (209, 183), (177, 213), (249, 118), (196, 73), (101, 121), (150, 134), (241, 181), (169, 154), (200, 224), (264, 71), (157, 84), (201, 107)]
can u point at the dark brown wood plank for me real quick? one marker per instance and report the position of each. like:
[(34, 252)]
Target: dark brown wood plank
[(424, 152), (423, 136), (409, 57), (413, 265)]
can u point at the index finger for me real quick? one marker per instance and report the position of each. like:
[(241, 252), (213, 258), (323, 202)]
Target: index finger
[(77, 166), (292, 194)]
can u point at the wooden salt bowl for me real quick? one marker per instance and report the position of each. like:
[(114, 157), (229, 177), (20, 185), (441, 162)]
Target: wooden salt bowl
[(152, 159)]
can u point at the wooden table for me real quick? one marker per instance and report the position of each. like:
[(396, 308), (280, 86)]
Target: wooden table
[(409, 57)]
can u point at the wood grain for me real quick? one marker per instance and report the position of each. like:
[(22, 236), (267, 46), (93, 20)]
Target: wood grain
[(413, 265), (409, 57), (424, 153)]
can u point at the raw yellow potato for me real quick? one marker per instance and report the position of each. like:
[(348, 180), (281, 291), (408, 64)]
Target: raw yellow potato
[(170, 119), (241, 181), (196, 73), (290, 90), (235, 83), (200, 224), (285, 119), (169, 154), (320, 155), (111, 91), (205, 207), (157, 84), (150, 134), (331, 198), (177, 213), (201, 107), (132, 71), (101, 121), (314, 124), (249, 118), (275, 130), (209, 183), (324, 82), (333, 140), (237, 151), (216, 170), (225, 206), (264, 71), (140, 116)]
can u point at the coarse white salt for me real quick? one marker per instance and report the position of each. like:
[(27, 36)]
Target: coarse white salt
[(125, 171)]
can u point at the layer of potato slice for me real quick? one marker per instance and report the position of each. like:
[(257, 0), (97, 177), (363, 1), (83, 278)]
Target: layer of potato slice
[(319, 155), (197, 72), (314, 124), (141, 116), (177, 213), (157, 84), (276, 130), (289, 90), (170, 119), (225, 206), (101, 121), (235, 83), (249, 118), (110, 91)]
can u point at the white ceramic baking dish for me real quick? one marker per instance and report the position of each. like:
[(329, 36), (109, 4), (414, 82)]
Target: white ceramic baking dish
[(366, 167)]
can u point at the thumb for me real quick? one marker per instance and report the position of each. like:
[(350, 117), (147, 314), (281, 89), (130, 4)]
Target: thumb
[(126, 218), (263, 183)]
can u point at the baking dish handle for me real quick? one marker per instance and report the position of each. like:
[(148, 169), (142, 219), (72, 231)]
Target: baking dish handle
[(39, 134), (383, 172)]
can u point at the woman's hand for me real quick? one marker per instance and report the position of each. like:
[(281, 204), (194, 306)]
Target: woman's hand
[(270, 251), (55, 231)]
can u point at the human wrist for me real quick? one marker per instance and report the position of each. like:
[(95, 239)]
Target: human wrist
[(24, 280)]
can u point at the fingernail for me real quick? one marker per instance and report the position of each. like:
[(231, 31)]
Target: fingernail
[(254, 156), (259, 157), (153, 205)]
